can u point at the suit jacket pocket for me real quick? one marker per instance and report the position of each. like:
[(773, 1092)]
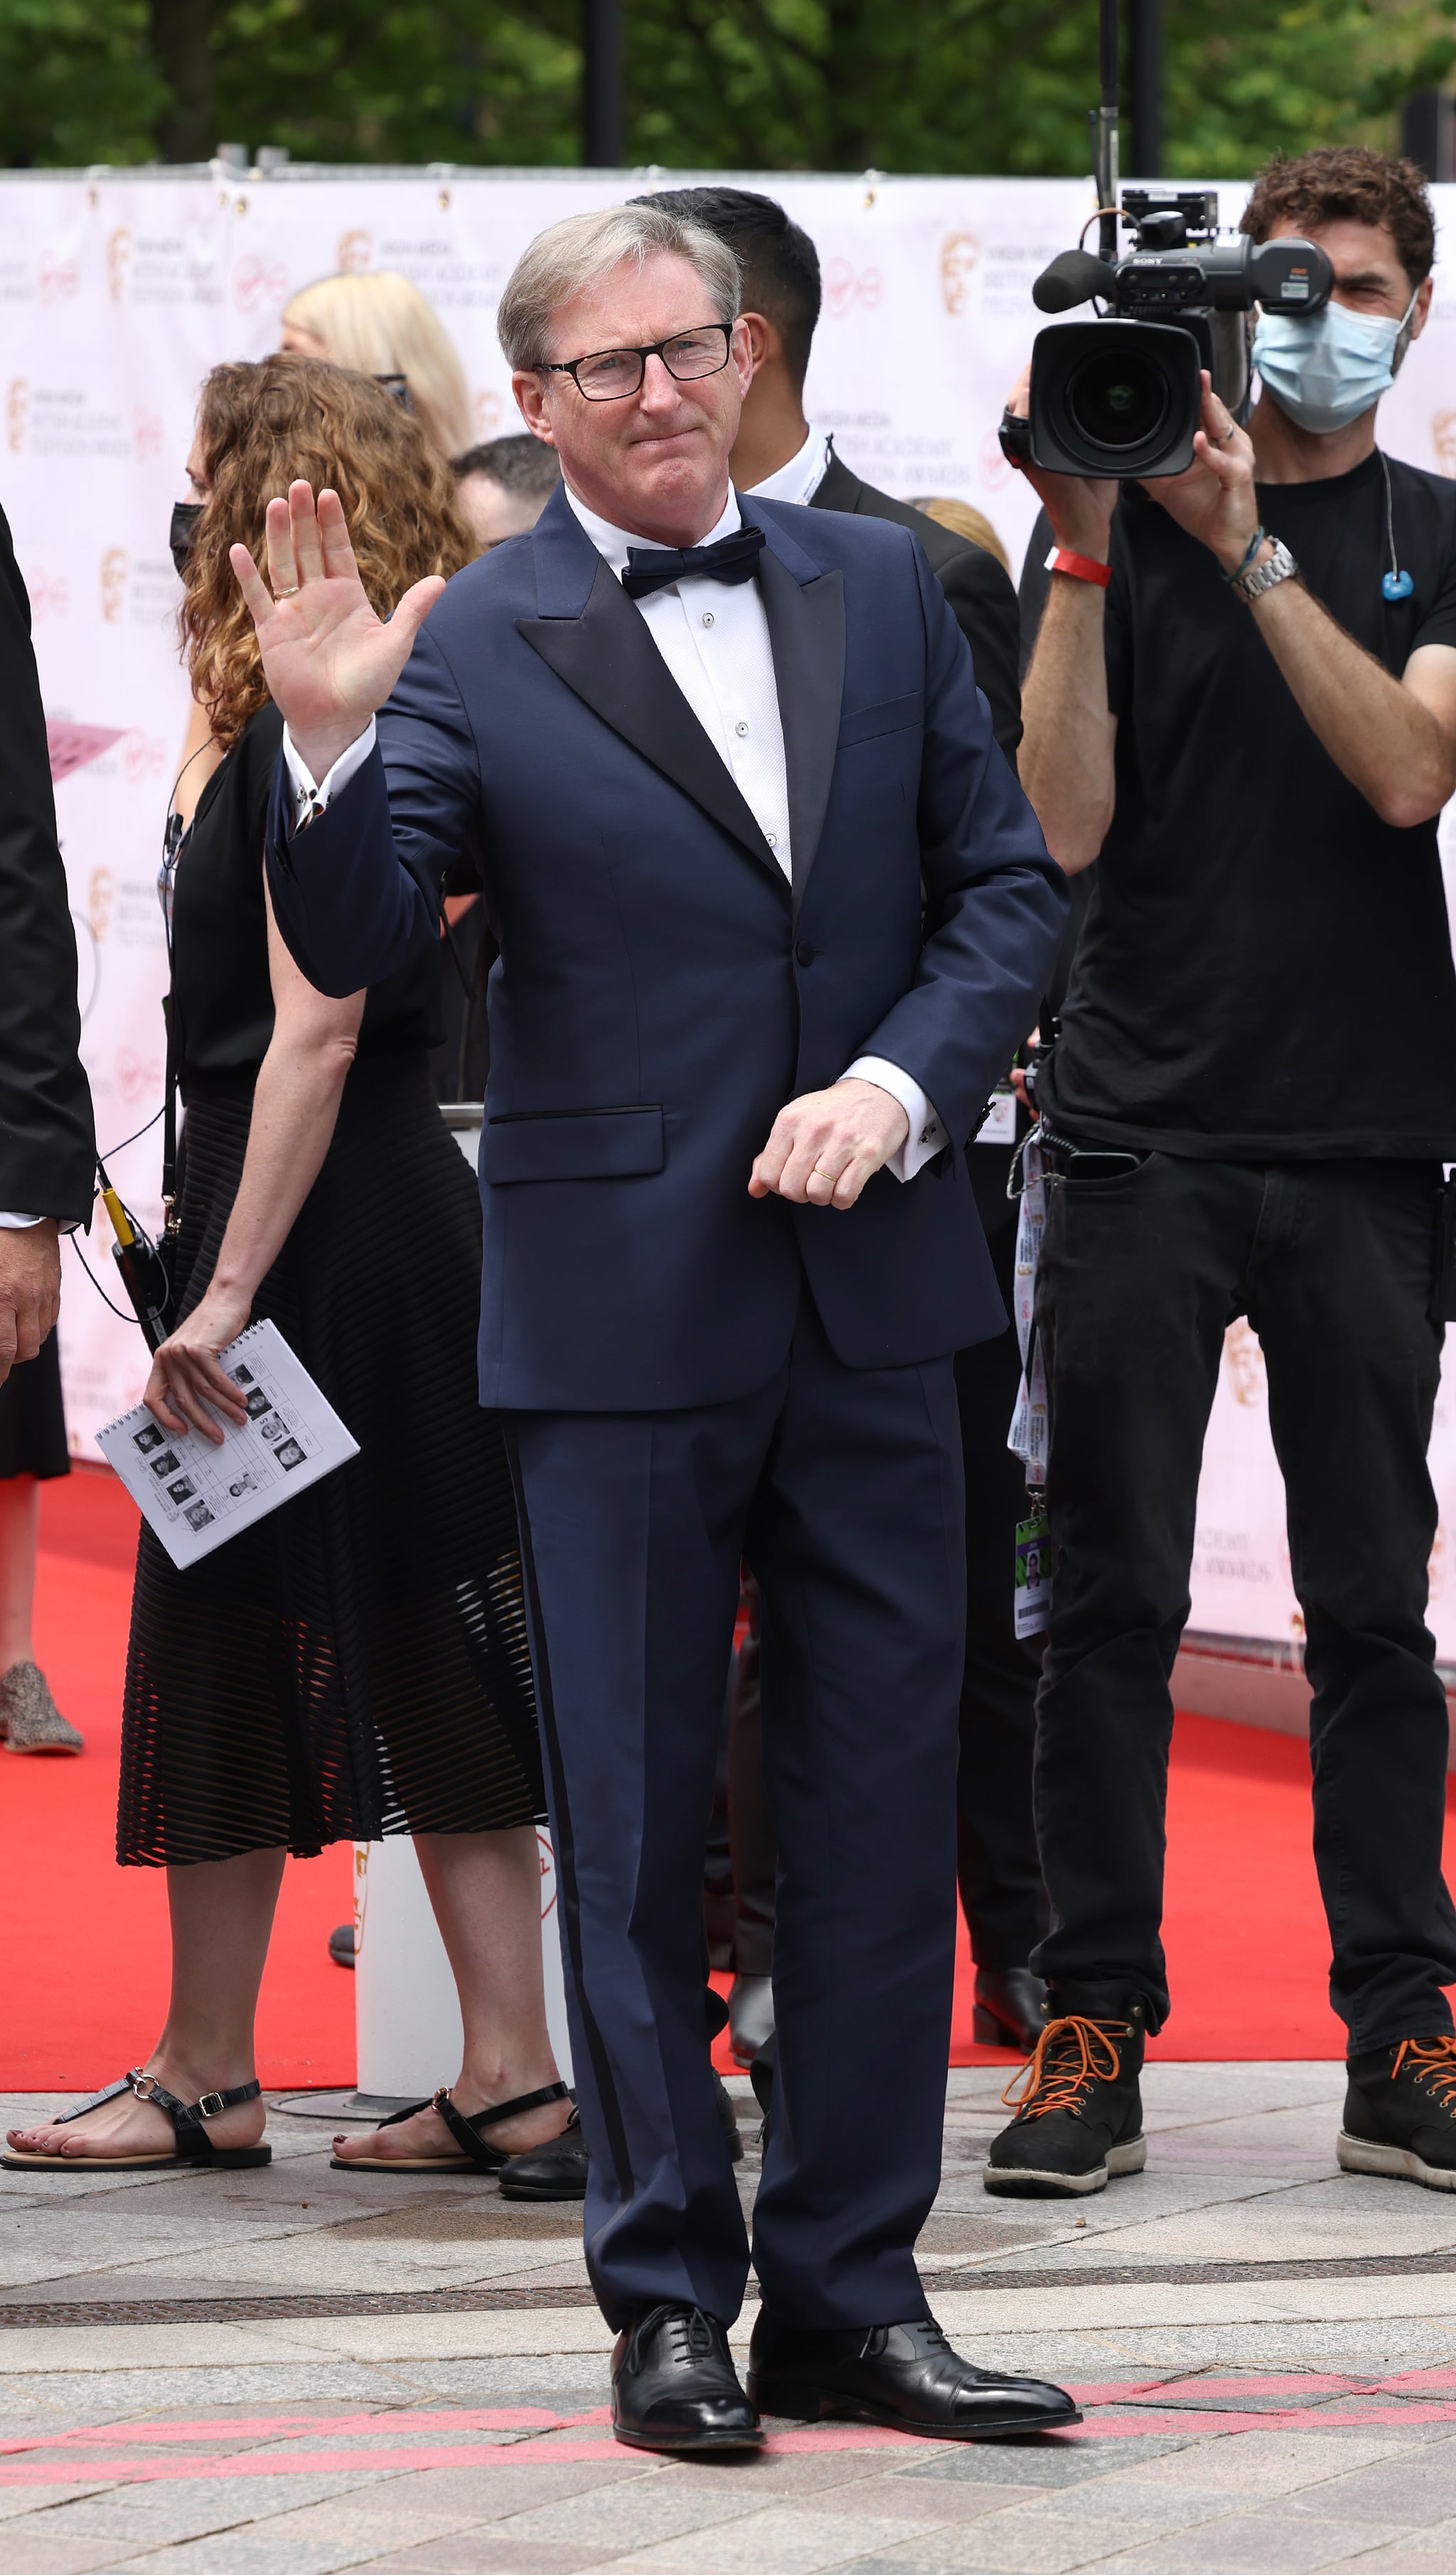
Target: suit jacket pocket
[(572, 1145), (889, 715)]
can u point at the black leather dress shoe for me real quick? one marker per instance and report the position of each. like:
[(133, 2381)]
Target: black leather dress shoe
[(674, 2385), (559, 2171), (1009, 2008), (905, 2375)]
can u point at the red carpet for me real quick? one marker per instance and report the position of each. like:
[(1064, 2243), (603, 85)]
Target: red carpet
[(86, 1943)]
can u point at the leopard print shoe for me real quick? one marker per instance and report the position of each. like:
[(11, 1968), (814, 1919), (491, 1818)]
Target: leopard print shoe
[(30, 1720)]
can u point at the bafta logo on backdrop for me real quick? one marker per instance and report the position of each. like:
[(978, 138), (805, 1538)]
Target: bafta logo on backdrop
[(1244, 1359), (100, 897), (959, 259), (114, 567), (1443, 440), (354, 252), (16, 412), (118, 261)]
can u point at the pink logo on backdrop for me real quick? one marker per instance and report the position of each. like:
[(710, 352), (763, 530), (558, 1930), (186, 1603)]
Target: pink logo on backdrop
[(547, 1857), (259, 285), (844, 287), (994, 470), (57, 279), (50, 596), (137, 1077), (147, 431), (143, 756)]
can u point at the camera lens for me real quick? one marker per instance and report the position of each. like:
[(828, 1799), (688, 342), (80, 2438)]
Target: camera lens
[(1117, 399)]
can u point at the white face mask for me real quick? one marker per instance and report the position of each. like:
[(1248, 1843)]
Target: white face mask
[(1327, 371)]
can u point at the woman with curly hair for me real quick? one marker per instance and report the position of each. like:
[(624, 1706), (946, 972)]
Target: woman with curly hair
[(355, 1665)]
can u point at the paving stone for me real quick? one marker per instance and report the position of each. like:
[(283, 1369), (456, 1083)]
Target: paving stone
[(1250, 2544), (40, 2551), (1047, 2463), (778, 2542)]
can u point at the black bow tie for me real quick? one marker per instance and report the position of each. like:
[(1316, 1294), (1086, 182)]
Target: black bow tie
[(733, 559)]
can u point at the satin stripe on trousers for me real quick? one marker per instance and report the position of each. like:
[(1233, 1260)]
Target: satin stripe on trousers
[(842, 1489)]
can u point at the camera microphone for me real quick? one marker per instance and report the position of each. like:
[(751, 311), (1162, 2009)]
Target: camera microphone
[(1072, 277)]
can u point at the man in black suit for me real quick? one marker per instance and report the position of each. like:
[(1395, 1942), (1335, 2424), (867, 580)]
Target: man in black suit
[(779, 456), (47, 1144)]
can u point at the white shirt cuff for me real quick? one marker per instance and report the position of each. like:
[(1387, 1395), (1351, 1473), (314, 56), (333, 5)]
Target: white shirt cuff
[(310, 799), (926, 1135), (18, 1224)]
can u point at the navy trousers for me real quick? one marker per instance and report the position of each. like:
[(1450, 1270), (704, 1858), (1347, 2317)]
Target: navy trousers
[(842, 1488)]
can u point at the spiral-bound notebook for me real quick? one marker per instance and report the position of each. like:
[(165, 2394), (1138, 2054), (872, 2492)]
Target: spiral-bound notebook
[(195, 1494)]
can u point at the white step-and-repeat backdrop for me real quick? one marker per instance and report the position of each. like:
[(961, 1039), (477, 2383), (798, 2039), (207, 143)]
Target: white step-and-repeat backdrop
[(118, 292)]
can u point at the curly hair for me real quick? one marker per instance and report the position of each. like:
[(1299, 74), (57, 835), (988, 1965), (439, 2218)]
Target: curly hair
[(1348, 183), (291, 419)]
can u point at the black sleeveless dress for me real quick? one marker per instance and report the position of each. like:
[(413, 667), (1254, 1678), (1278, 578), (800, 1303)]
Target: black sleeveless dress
[(356, 1665)]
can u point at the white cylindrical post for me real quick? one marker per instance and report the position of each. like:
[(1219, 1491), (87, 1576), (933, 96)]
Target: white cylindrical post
[(406, 2018)]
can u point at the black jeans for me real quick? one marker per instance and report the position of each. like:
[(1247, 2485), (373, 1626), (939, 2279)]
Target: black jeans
[(997, 1864), (1140, 1276)]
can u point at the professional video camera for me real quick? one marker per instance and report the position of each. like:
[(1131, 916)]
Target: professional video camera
[(1121, 395)]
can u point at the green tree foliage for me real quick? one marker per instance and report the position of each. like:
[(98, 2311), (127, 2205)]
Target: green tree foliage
[(974, 85)]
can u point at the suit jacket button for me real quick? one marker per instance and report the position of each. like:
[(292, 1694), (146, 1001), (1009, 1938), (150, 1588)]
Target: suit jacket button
[(804, 952)]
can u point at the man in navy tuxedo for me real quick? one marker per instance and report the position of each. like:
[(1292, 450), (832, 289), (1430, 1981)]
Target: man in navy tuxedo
[(772, 916)]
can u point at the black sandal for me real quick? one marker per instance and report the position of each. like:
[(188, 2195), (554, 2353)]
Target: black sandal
[(475, 2151), (193, 2147)]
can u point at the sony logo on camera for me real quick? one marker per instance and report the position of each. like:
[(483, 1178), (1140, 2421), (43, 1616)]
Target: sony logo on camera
[(1121, 395)]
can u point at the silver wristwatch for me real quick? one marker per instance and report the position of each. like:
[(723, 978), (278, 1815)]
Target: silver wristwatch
[(1251, 585)]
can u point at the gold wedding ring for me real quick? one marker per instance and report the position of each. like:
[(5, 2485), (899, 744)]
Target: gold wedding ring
[(290, 593)]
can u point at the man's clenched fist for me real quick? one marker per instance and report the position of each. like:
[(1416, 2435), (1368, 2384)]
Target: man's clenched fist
[(824, 1147), (30, 1290)]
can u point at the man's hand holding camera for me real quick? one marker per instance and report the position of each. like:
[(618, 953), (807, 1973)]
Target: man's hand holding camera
[(1215, 499)]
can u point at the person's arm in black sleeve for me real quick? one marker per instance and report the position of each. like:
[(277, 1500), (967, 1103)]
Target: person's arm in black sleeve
[(47, 1141), (984, 604)]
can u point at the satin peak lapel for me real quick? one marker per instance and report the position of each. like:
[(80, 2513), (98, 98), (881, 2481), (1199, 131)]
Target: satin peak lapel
[(608, 658), (806, 631)]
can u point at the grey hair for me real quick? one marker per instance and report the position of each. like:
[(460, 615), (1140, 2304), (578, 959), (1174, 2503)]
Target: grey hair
[(577, 253)]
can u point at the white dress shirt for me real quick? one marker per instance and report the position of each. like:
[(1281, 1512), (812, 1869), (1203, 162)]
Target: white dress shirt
[(713, 638), (799, 479)]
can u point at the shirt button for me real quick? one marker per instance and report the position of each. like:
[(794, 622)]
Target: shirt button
[(741, 729), (708, 617), (773, 840)]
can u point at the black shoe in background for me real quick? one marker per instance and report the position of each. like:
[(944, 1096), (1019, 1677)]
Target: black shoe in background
[(1400, 2113), (341, 1945), (1078, 2108), (905, 2375), (674, 2385), (1009, 2009), (559, 2171)]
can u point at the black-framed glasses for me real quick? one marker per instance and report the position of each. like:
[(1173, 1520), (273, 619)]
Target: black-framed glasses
[(606, 375)]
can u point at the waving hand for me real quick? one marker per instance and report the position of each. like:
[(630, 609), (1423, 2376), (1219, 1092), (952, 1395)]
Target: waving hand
[(329, 661)]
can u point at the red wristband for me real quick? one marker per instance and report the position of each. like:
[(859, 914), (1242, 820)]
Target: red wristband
[(1081, 567)]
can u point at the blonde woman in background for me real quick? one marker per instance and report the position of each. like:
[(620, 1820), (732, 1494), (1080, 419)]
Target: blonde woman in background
[(375, 321)]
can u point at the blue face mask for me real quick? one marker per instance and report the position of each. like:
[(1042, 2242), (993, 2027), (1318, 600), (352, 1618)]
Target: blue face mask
[(1327, 371)]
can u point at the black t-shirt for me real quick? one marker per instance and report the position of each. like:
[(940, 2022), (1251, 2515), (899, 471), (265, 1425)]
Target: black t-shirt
[(1265, 969), (221, 992)]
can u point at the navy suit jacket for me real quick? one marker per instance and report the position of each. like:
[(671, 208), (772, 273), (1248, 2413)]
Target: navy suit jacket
[(661, 989)]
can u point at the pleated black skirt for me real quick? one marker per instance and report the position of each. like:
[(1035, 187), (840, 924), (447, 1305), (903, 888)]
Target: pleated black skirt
[(356, 1665), (33, 1417)]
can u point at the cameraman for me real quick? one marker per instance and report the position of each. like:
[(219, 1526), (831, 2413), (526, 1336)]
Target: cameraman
[(1248, 1108)]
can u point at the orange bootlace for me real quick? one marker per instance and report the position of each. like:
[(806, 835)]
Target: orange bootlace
[(1434, 2063), (1070, 2055)]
